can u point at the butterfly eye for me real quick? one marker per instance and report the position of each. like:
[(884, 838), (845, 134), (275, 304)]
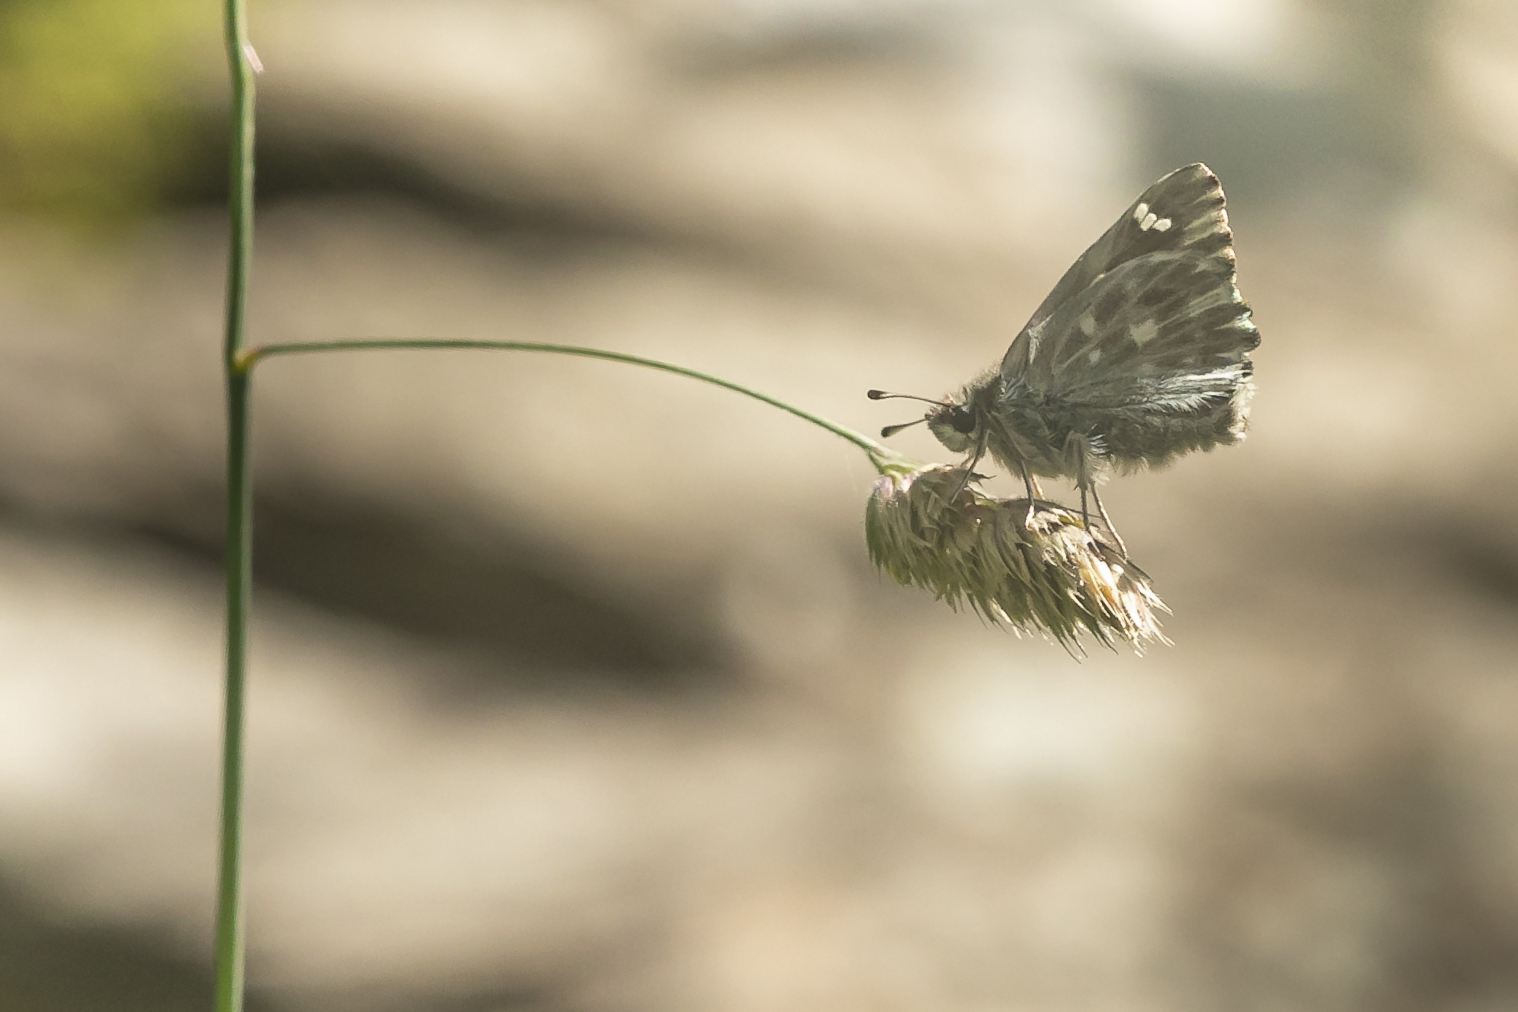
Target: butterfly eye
[(962, 419)]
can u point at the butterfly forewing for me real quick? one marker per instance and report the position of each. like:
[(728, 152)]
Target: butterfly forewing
[(1184, 210)]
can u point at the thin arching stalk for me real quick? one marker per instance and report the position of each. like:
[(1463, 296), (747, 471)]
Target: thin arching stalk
[(883, 457)]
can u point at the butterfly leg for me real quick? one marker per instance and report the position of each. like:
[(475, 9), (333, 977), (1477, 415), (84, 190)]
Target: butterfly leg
[(1078, 455), (1035, 493), (980, 450), (1084, 452), (1105, 519)]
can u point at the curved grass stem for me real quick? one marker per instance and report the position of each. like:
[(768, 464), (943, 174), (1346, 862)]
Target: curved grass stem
[(884, 459)]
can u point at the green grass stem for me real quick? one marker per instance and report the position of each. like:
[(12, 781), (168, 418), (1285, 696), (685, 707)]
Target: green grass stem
[(882, 457), (229, 952)]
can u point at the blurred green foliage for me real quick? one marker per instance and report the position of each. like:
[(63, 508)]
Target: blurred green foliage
[(102, 104)]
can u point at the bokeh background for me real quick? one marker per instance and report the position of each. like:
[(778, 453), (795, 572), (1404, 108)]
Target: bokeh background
[(572, 686)]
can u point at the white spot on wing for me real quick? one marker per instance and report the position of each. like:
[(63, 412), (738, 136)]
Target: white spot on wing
[(1087, 323), (1162, 225), (1140, 211), (1148, 221), (1095, 356), (1143, 333)]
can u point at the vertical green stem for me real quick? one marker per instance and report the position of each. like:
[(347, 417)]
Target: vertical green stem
[(229, 915), (239, 561), (240, 196)]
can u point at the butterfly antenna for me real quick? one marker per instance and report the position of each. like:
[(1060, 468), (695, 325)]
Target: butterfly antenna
[(881, 395), (891, 430)]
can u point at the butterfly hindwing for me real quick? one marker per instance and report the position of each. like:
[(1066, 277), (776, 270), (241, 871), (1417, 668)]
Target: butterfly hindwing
[(1150, 360)]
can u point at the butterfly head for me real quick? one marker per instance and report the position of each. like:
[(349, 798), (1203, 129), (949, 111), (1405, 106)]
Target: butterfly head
[(957, 426), (956, 423)]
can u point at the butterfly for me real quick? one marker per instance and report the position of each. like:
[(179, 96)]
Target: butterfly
[(1140, 353)]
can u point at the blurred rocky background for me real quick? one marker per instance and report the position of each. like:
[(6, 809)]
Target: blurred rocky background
[(572, 688)]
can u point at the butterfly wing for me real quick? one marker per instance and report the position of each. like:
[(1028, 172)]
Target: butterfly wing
[(1147, 358), (1184, 210)]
